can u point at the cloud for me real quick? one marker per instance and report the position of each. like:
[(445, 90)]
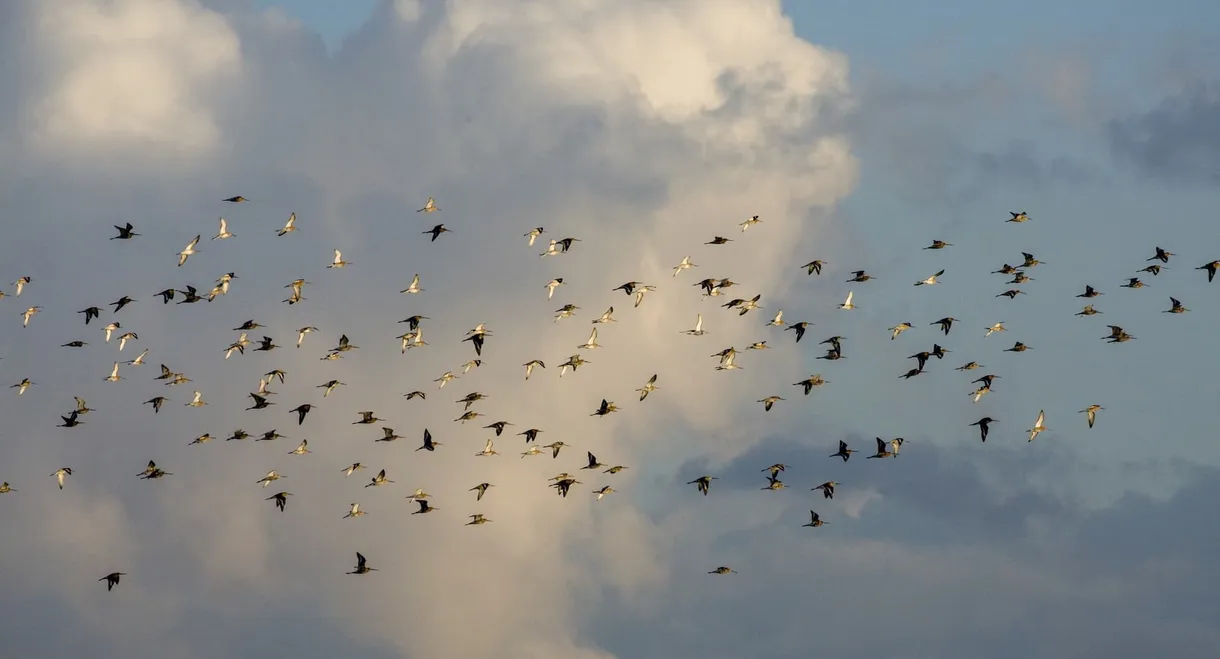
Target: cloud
[(1176, 140), (641, 128)]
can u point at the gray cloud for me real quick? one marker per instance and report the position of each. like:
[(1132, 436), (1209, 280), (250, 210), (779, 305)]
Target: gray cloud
[(1178, 140)]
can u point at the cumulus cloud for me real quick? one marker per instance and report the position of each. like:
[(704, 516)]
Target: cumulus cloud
[(641, 128)]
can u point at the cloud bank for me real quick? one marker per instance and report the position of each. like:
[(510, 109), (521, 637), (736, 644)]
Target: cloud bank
[(643, 129)]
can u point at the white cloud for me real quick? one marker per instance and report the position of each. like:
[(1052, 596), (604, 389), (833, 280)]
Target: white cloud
[(642, 128), (130, 73)]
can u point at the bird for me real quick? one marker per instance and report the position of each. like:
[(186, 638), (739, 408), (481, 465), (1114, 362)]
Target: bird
[(236, 200), (1211, 269), (1018, 216), (648, 387), (883, 450), (280, 499), (414, 287), (697, 330), (592, 462), (799, 328), (606, 317), (827, 488), (930, 280), (353, 511), (814, 267), (156, 403), (429, 444), (112, 579), (488, 448), (899, 329), (425, 507), (270, 478), (945, 324), (847, 303), (552, 285), (125, 232), (301, 411), (1039, 426), (362, 565), (431, 207), (723, 570), (1176, 306), (605, 408), (1134, 282), (60, 474), (338, 261), (22, 386), (814, 520), (188, 250), (114, 374), (984, 425), (1089, 291), (1161, 255), (480, 490), (810, 382), (301, 449), (1091, 412), (606, 489), (1018, 347), (750, 221), (769, 401), (939, 244), (533, 234), (21, 283), (1088, 311), (685, 264), (477, 519), (289, 226), (703, 483), (223, 233), (436, 231), (998, 327), (28, 314), (379, 479), (718, 240), (860, 276)]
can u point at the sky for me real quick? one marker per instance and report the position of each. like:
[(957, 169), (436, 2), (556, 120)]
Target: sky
[(643, 129)]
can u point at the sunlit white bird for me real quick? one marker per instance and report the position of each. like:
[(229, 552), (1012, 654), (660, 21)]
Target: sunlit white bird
[(552, 285), (139, 360), (754, 219), (224, 231), (847, 304), (114, 374), (998, 327), (429, 206), (289, 226), (354, 511), (269, 478), (606, 317), (22, 386), (533, 234), (592, 342), (301, 448), (28, 314), (197, 401), (188, 250), (59, 475), (414, 287), (778, 320), (488, 448), (930, 280), (338, 262), (697, 330), (684, 265), (639, 293), (1039, 425), (21, 284)]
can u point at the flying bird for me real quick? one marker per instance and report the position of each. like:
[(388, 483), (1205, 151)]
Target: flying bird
[(1039, 426), (125, 232), (188, 251), (289, 226)]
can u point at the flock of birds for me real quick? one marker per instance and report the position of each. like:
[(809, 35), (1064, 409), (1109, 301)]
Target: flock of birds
[(479, 335)]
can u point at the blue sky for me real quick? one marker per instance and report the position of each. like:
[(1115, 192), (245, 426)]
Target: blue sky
[(858, 140)]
